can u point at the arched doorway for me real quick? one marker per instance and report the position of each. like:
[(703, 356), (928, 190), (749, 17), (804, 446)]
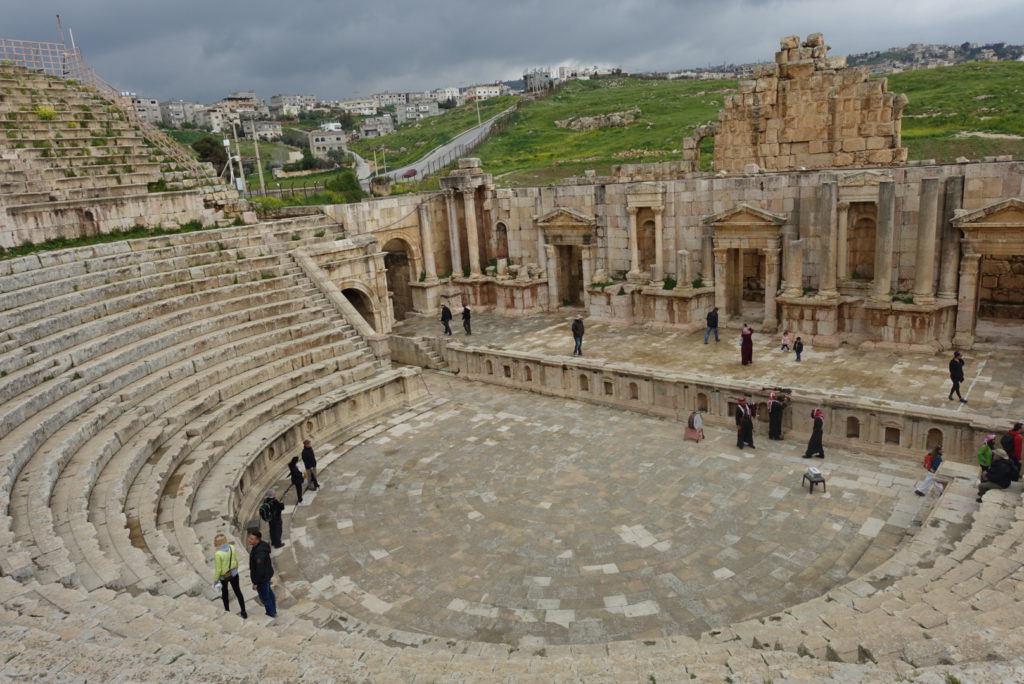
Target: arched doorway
[(501, 240), (861, 250), (646, 241), (361, 303), (399, 264)]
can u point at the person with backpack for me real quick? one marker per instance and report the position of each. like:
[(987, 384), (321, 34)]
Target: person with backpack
[(270, 513), (932, 461), (1001, 473)]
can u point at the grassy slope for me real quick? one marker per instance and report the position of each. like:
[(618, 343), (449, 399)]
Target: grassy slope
[(413, 140), (534, 150), (987, 97)]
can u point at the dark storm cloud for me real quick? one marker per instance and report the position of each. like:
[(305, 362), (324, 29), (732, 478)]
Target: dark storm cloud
[(193, 49)]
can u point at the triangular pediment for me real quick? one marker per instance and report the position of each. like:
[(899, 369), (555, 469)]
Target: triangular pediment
[(1008, 213), (565, 217), (745, 215)]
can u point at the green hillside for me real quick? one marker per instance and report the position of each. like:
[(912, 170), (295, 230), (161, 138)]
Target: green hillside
[(949, 104), (533, 150)]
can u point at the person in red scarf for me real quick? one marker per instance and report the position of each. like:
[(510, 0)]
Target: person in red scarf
[(814, 446), (744, 424)]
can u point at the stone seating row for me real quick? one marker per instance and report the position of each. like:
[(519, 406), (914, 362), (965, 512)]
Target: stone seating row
[(114, 374)]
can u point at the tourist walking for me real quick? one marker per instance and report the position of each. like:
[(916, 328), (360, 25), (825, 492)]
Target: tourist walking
[(261, 569), (932, 461), (747, 345), (1001, 472), (577, 335), (814, 445), (985, 454), (270, 512), (776, 407), (712, 320), (225, 568), (784, 341), (744, 424), (798, 347), (465, 319), (309, 460), (956, 375), (446, 319), (296, 476)]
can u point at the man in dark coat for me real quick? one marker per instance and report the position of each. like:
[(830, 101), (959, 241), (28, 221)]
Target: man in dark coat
[(712, 324), (270, 511), (446, 318), (744, 424), (776, 405), (577, 335), (956, 374), (814, 444), (465, 319), (1002, 471), (261, 570), (309, 460)]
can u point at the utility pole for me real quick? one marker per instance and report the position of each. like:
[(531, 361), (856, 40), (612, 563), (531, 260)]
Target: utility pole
[(478, 122), (231, 164), (241, 171), (259, 164)]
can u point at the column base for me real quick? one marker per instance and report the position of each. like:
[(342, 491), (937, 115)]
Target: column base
[(638, 277), (924, 300), (881, 298)]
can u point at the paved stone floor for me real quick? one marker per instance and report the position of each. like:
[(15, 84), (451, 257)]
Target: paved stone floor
[(502, 516), (992, 382)]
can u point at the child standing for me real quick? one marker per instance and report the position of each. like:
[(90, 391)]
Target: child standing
[(798, 347), (785, 341)]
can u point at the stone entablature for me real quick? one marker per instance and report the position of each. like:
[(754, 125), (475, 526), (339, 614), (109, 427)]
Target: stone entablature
[(809, 110)]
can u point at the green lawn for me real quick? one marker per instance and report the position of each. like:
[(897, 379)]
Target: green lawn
[(413, 140), (945, 103), (534, 150)]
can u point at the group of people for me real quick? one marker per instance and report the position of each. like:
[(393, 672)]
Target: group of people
[(1000, 461), (261, 568), (747, 339), (778, 401), (446, 319)]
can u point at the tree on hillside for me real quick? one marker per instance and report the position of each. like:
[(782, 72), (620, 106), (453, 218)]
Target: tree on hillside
[(347, 185), (211, 149)]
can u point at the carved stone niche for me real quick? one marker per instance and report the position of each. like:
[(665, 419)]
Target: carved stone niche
[(857, 217)]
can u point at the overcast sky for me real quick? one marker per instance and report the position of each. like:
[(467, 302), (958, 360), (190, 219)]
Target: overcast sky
[(339, 49)]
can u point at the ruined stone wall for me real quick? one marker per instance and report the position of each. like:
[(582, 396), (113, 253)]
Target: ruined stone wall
[(809, 110)]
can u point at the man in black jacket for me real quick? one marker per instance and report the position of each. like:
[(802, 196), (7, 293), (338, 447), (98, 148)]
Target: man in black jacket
[(309, 460), (261, 570), (577, 335), (446, 319), (712, 324), (956, 375), (1002, 471)]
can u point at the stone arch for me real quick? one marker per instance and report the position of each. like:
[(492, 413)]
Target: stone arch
[(584, 382), (852, 427), (634, 391), (363, 304), (934, 438), (702, 402), (400, 264)]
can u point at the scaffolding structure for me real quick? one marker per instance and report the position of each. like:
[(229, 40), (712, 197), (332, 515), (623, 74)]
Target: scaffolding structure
[(52, 59)]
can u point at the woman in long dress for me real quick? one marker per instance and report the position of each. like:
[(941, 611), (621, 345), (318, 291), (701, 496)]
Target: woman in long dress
[(814, 446), (747, 345)]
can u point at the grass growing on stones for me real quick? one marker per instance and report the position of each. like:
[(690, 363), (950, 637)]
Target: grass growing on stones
[(114, 236)]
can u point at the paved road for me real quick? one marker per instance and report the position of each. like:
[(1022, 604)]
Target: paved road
[(441, 154)]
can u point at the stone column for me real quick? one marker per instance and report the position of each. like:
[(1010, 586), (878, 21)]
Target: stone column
[(967, 301), (453, 234), (884, 236), (708, 261), (721, 259), (683, 279), (658, 273), (771, 287), (634, 247), (427, 244), (843, 242), (950, 238), (587, 254), (827, 257), (794, 269), (927, 227), (551, 261), (472, 235)]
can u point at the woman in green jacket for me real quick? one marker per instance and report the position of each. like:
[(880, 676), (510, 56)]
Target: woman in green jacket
[(985, 455), (225, 563)]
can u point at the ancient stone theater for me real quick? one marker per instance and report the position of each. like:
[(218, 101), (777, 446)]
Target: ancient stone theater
[(493, 508)]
